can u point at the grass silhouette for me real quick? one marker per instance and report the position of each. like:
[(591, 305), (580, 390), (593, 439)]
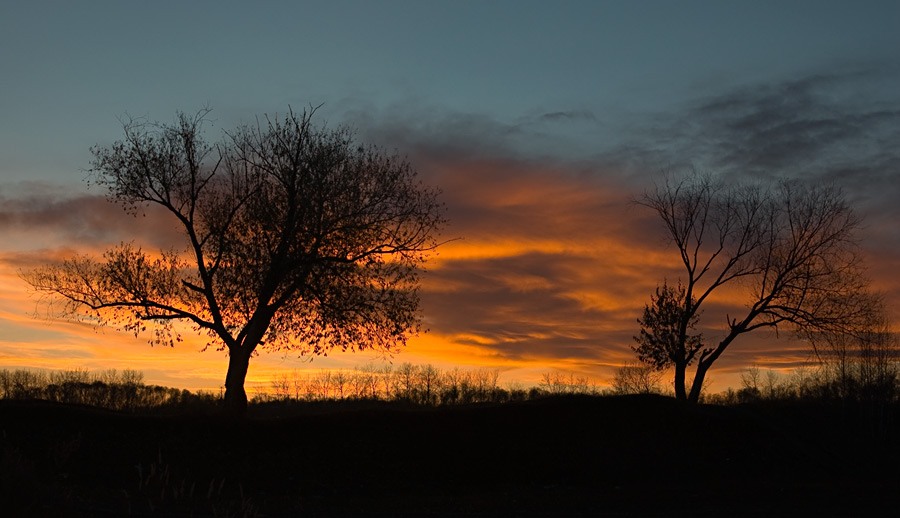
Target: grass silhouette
[(553, 455)]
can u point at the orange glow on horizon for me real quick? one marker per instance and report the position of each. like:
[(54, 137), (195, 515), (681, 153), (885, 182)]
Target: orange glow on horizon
[(549, 273)]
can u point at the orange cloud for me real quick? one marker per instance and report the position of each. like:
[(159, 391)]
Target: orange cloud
[(551, 269)]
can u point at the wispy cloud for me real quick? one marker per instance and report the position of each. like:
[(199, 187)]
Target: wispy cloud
[(44, 217), (431, 133), (840, 126), (818, 125)]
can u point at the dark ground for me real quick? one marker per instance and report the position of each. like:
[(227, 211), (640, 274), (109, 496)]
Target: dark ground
[(571, 456)]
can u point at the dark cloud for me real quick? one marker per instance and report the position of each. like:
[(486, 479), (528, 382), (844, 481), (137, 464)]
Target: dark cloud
[(430, 133), (26, 260), (552, 261), (36, 210), (842, 127), (433, 134), (814, 126), (520, 306), (571, 115)]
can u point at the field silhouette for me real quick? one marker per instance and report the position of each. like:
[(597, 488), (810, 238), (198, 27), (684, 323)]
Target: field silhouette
[(570, 455)]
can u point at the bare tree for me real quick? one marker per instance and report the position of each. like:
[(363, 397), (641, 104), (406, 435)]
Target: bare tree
[(295, 238), (404, 383), (361, 380), (429, 381), (790, 246), (636, 378), (339, 382), (281, 386), (370, 375), (860, 363)]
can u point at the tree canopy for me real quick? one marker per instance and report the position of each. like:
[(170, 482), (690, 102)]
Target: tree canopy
[(295, 237)]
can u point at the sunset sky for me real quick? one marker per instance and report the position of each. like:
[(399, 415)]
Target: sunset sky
[(540, 121)]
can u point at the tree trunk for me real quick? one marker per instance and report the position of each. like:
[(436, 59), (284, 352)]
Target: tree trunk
[(708, 357), (680, 393), (697, 386), (235, 396)]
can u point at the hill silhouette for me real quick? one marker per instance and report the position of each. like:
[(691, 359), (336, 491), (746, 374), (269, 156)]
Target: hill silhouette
[(555, 456)]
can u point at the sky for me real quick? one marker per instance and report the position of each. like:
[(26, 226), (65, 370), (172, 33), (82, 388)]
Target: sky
[(540, 122)]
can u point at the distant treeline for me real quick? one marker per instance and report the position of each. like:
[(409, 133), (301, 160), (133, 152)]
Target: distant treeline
[(110, 389), (419, 384), (845, 380), (826, 382), (413, 384), (406, 383)]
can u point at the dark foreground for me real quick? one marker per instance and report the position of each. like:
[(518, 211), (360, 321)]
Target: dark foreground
[(579, 456)]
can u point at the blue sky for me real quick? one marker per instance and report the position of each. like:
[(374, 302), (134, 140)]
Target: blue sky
[(70, 69), (540, 120)]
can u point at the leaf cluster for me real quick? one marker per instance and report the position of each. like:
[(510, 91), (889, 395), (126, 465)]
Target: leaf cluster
[(664, 338)]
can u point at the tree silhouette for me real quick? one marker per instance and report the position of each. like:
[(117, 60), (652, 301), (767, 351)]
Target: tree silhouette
[(295, 238), (636, 378), (791, 248), (664, 340), (861, 363)]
